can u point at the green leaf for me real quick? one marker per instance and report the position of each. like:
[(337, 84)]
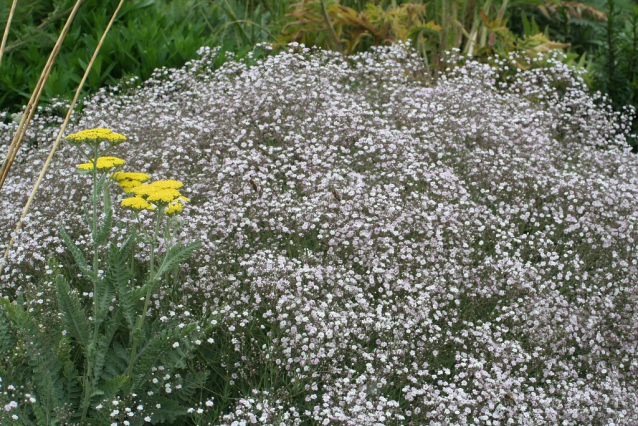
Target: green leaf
[(74, 316), (105, 230), (77, 254), (192, 382), (7, 341), (118, 275), (104, 343), (71, 383), (111, 387), (117, 360), (43, 361), (174, 256), (168, 412), (158, 348)]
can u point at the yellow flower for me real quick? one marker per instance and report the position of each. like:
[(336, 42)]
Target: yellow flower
[(121, 176), (129, 180), (159, 185), (164, 195), (96, 134), (166, 184), (174, 208), (103, 163), (128, 185), (137, 203)]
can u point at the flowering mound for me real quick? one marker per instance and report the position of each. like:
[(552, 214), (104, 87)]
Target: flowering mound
[(383, 251)]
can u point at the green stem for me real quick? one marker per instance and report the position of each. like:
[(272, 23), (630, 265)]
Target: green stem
[(89, 361), (140, 322), (333, 35)]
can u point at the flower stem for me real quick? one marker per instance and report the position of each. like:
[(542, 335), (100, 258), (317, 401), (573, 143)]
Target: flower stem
[(91, 349), (138, 326)]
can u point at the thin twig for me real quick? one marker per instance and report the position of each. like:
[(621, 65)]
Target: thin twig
[(6, 30), (18, 137), (62, 129)]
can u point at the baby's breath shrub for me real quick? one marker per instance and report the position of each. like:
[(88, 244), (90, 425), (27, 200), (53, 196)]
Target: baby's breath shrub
[(376, 250)]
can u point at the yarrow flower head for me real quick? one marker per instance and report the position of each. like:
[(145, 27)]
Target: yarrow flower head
[(96, 135), (162, 191), (159, 192), (175, 207), (137, 203), (129, 180), (103, 163)]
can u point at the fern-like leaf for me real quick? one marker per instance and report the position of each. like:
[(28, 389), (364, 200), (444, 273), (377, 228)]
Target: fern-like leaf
[(176, 255), (117, 359), (7, 341), (111, 387), (192, 382), (118, 275), (168, 412), (74, 316), (105, 230), (77, 254), (158, 347), (42, 358), (71, 383), (104, 343)]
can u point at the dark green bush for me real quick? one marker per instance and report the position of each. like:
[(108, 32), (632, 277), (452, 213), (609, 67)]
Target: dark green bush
[(148, 34)]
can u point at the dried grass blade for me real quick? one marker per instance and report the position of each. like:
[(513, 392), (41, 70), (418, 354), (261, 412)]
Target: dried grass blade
[(18, 137), (6, 30), (25, 210)]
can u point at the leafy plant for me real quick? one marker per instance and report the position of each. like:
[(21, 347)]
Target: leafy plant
[(148, 34), (104, 350), (613, 69), (477, 29)]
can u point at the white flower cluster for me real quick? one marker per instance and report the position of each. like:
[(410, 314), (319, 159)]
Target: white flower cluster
[(460, 251)]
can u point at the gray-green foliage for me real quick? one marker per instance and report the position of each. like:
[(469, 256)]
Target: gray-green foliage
[(104, 349)]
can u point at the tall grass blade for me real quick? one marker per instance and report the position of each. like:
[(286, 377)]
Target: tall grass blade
[(6, 30), (18, 137), (62, 128)]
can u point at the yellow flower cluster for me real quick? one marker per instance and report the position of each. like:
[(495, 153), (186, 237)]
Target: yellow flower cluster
[(103, 163), (158, 192), (129, 180), (96, 134), (137, 203)]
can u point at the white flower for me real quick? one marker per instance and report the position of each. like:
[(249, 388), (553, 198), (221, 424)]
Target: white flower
[(176, 345), (147, 419)]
